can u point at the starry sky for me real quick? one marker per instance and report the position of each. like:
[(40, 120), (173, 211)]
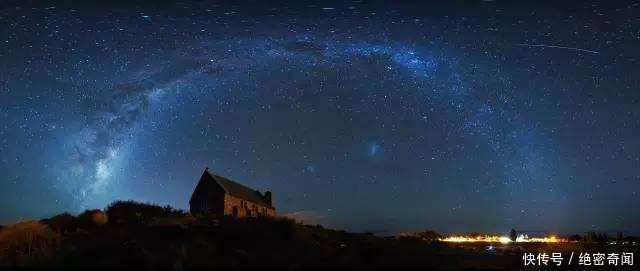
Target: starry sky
[(358, 115)]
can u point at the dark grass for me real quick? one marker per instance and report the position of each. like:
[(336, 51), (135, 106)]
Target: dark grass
[(147, 237)]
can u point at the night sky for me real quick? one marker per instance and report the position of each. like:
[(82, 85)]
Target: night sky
[(476, 116)]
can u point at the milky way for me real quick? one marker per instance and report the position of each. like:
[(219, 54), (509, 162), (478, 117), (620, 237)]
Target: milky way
[(356, 116)]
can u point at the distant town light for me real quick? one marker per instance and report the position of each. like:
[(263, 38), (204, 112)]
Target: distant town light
[(523, 238)]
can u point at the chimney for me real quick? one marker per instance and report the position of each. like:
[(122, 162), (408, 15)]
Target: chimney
[(267, 197)]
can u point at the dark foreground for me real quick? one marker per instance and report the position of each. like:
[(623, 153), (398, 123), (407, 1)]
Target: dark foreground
[(168, 239)]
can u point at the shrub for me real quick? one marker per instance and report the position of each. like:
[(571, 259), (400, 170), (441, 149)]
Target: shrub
[(594, 237), (182, 221), (28, 243), (131, 212), (62, 223), (282, 226), (92, 218), (170, 211), (429, 236)]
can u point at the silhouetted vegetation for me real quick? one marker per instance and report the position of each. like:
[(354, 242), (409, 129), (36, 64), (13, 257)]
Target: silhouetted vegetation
[(595, 237), (513, 235), (29, 244), (63, 223), (91, 218), (131, 212), (134, 236), (424, 236)]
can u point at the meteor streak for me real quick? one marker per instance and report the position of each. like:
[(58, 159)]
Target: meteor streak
[(558, 47)]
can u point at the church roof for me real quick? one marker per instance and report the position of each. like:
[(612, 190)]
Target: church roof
[(235, 189)]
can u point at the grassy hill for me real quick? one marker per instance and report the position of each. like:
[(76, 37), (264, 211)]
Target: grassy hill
[(136, 236)]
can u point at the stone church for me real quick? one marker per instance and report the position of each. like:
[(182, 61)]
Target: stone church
[(219, 196)]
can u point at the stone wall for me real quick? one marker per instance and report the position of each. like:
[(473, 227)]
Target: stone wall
[(245, 208)]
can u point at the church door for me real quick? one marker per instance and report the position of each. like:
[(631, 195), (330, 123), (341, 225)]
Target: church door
[(234, 211)]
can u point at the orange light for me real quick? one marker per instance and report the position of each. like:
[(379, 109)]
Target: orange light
[(501, 239)]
